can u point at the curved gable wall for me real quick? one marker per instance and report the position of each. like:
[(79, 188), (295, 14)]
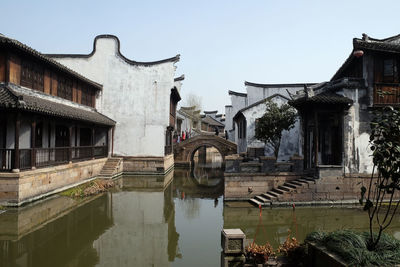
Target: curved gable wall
[(136, 96)]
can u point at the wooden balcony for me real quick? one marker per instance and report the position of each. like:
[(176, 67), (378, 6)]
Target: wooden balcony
[(44, 157), (387, 94)]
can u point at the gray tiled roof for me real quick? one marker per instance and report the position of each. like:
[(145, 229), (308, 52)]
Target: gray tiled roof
[(10, 98), (323, 98), (16, 44), (212, 122)]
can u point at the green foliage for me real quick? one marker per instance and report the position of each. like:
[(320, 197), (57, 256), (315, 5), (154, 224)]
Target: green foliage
[(275, 120), (352, 247), (385, 146)]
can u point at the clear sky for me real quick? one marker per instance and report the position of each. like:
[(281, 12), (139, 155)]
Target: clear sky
[(222, 42)]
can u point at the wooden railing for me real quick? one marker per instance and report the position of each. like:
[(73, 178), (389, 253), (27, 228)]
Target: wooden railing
[(44, 157), (387, 94), (6, 159), (25, 160), (51, 156), (83, 152)]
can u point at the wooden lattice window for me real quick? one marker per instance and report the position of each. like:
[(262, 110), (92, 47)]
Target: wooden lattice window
[(87, 97), (64, 88), (32, 75), (388, 70)]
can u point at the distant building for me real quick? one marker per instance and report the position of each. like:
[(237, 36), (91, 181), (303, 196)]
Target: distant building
[(211, 121), (238, 101), (188, 120), (140, 96), (246, 108)]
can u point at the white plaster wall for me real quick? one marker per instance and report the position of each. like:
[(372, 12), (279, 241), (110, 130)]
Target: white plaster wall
[(45, 135), (290, 142), (255, 94), (10, 136), (238, 102), (178, 85), (136, 97), (25, 135), (229, 122), (100, 137), (357, 154)]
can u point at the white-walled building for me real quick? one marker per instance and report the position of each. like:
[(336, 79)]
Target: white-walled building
[(245, 108), (238, 101), (188, 120), (140, 96)]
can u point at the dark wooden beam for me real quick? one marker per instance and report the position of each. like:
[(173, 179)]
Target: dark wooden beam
[(16, 140), (69, 143), (93, 132), (316, 138), (33, 142)]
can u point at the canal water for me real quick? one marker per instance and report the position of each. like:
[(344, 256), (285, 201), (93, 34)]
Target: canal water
[(154, 221)]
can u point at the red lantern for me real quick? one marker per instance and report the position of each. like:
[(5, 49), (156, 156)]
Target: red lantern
[(358, 53)]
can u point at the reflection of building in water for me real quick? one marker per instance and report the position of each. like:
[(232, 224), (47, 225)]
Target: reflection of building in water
[(43, 235), (187, 186), (144, 232)]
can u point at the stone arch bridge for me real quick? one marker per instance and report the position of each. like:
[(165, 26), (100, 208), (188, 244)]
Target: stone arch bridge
[(184, 151)]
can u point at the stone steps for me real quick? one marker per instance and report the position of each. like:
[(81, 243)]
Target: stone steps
[(109, 167), (284, 192), (286, 188)]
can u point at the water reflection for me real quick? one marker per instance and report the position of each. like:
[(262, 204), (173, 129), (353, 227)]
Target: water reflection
[(57, 232), (171, 220), (144, 230), (273, 224), (134, 224)]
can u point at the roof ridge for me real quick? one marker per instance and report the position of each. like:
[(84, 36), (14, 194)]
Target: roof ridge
[(127, 60), (266, 85)]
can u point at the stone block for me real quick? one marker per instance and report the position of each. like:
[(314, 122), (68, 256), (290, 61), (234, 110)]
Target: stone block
[(283, 166), (232, 241), (231, 165), (268, 164), (298, 164), (250, 167), (232, 260), (329, 171)]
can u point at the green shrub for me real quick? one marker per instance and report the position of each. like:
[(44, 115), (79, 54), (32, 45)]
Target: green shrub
[(352, 247)]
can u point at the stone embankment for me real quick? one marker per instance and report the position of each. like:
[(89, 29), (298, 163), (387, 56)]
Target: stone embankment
[(263, 181)]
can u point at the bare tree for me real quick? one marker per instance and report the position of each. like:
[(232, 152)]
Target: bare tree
[(193, 100)]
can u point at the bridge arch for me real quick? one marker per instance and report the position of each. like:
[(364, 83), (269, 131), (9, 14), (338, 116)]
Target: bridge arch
[(184, 151), (191, 153)]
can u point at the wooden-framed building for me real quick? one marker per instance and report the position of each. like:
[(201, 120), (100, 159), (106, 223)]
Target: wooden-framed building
[(336, 115), (48, 115)]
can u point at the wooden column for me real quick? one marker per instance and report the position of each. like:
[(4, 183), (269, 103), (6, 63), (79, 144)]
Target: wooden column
[(16, 140), (107, 141), (93, 131), (33, 142), (305, 140), (112, 140), (69, 143), (4, 129), (316, 138)]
